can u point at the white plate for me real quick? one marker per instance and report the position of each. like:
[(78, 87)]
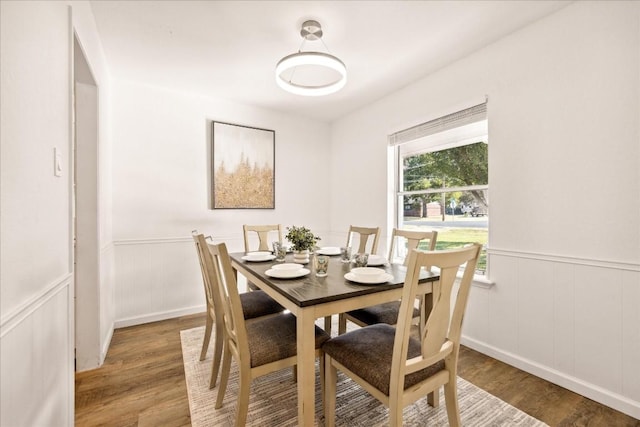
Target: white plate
[(286, 266), (259, 256), (369, 279), (367, 271), (376, 260), (287, 274), (329, 250)]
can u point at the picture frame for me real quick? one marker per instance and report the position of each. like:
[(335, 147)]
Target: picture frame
[(243, 167)]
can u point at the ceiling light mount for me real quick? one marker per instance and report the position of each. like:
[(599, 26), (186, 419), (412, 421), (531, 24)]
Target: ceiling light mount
[(311, 31)]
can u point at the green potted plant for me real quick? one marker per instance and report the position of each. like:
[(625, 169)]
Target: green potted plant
[(302, 241)]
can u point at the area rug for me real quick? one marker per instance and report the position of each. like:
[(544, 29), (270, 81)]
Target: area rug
[(273, 400)]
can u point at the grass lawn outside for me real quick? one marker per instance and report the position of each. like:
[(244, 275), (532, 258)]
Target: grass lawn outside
[(451, 238)]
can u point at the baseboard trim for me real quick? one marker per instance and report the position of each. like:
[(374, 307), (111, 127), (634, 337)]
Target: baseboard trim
[(599, 394), (18, 315), (155, 317), (106, 344)]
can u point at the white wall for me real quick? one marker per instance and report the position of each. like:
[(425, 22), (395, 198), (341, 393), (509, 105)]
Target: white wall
[(37, 284), (36, 291), (564, 156), (161, 185)]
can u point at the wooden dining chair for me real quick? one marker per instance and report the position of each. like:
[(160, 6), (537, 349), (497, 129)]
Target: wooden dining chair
[(259, 346), (254, 304), (363, 233), (263, 232), (388, 312), (394, 365)]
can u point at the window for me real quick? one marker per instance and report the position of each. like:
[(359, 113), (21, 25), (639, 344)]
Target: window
[(443, 181)]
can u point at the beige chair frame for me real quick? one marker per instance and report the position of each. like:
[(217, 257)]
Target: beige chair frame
[(440, 340), (236, 339), (263, 235), (364, 233), (413, 238), (214, 315)]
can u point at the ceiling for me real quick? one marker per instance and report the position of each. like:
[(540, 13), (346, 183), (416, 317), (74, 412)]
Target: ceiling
[(229, 49)]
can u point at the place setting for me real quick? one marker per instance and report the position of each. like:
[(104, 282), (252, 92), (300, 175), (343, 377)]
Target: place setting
[(365, 271), (287, 271), (259, 256)]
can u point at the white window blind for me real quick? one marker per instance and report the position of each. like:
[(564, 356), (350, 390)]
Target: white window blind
[(468, 115)]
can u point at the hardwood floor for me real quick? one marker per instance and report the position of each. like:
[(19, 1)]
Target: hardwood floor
[(142, 384)]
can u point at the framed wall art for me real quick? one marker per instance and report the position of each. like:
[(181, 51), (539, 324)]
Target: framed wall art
[(243, 165)]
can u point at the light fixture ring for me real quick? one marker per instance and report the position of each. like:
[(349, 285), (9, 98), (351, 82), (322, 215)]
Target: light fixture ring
[(311, 58), (311, 30)]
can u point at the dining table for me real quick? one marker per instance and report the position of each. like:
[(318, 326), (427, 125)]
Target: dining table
[(309, 297)]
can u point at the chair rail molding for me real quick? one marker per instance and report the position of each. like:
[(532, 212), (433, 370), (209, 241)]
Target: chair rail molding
[(20, 313), (565, 259)]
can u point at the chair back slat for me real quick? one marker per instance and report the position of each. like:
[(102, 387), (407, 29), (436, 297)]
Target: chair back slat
[(263, 235), (412, 239), (208, 275), (364, 233), (230, 299)]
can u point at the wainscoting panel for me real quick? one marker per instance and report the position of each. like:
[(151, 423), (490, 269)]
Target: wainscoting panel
[(574, 322), (503, 306), (36, 364), (156, 279)]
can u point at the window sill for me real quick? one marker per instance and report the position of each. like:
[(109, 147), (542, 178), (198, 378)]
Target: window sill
[(482, 282), (478, 280)]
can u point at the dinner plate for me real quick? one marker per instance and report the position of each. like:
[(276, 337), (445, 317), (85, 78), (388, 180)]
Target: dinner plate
[(329, 250), (286, 266), (376, 260), (369, 279), (259, 256), (287, 273)]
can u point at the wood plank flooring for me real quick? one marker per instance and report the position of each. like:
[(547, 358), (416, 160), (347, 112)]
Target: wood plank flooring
[(142, 384)]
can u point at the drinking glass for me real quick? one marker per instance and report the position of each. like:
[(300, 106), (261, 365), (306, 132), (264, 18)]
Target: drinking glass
[(345, 254), (279, 251), (361, 260), (321, 264)]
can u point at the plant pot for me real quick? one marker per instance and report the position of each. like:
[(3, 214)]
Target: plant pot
[(301, 257)]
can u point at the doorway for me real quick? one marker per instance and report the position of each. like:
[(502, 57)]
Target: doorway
[(86, 214)]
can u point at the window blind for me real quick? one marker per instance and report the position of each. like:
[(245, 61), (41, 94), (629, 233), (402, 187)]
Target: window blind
[(441, 124)]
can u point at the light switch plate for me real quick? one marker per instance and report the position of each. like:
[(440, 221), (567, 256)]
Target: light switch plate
[(57, 162)]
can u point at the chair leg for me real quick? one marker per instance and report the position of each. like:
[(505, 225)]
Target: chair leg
[(327, 324), (451, 402), (217, 355), (395, 412), (433, 398), (322, 376), (207, 337), (342, 324), (331, 378), (244, 386), (224, 377)]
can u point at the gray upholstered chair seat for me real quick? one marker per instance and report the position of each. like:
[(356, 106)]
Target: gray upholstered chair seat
[(274, 338), (258, 303), (381, 313), (367, 352)]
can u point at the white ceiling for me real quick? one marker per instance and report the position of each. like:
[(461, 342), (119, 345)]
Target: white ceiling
[(229, 49)]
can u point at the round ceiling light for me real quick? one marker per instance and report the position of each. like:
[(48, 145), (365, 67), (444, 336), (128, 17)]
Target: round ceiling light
[(311, 30)]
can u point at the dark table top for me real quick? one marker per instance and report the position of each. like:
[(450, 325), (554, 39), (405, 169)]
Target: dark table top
[(311, 290)]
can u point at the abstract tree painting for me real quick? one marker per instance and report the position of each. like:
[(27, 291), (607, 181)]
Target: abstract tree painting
[(243, 167)]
